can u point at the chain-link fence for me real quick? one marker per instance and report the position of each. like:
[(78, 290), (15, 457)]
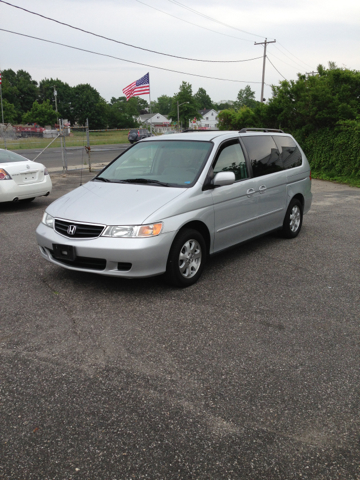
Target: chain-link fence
[(23, 137), (19, 137)]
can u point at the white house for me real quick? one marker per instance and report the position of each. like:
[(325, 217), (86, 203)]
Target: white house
[(158, 122), (207, 119)]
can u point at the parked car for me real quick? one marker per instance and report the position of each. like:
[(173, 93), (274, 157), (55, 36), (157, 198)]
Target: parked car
[(21, 178), (138, 134), (168, 202)]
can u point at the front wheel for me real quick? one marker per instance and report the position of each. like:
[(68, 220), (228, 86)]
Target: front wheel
[(186, 258), (293, 219)]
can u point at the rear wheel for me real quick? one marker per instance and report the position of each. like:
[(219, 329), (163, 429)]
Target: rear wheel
[(293, 219), (186, 258)]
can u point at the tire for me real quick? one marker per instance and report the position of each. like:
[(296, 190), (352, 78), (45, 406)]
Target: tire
[(293, 219), (186, 259)]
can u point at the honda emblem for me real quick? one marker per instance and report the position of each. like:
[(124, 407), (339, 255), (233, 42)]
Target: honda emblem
[(71, 229)]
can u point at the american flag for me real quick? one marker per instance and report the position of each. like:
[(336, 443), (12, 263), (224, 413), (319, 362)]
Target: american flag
[(140, 87)]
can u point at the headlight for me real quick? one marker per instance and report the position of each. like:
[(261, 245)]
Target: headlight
[(48, 220), (116, 231)]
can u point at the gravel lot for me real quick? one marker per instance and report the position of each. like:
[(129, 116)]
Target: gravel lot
[(253, 373)]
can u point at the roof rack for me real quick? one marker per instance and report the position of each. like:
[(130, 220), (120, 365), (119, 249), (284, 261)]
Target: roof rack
[(202, 131), (244, 130)]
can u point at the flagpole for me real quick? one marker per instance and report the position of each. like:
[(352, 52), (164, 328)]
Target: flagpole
[(150, 106), (2, 110)]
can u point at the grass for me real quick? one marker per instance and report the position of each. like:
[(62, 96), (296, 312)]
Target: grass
[(351, 181), (77, 139)]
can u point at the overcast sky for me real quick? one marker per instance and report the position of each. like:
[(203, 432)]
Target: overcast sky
[(307, 33)]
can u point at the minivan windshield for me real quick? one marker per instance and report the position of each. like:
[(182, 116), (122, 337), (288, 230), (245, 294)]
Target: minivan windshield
[(159, 163)]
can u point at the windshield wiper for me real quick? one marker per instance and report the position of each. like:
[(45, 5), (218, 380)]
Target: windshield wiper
[(146, 181), (102, 179)]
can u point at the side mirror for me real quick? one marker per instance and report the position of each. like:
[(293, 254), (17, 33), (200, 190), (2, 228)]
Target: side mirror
[(224, 178)]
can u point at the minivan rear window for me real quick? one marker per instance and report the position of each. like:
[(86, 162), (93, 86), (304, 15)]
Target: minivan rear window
[(264, 155), (290, 154)]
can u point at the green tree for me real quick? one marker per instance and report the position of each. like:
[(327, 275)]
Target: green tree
[(10, 114), (245, 98), (162, 105), (119, 115), (237, 119), (64, 97), (41, 113), (88, 104), (19, 89), (224, 105), (203, 100), (188, 106), (313, 102)]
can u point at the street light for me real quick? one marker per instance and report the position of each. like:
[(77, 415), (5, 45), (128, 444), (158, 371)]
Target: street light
[(178, 112)]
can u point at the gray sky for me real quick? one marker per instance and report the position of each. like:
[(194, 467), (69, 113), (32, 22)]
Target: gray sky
[(307, 33)]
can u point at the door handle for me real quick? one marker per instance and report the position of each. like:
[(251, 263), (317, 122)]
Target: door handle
[(262, 188), (251, 191)]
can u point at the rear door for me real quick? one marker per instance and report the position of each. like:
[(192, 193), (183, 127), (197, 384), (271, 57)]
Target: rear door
[(270, 181)]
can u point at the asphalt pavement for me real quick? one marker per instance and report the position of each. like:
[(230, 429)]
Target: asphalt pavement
[(252, 373)]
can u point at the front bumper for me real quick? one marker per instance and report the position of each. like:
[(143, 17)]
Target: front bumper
[(121, 257)]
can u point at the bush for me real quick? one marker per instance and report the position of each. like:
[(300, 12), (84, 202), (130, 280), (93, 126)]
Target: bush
[(334, 152)]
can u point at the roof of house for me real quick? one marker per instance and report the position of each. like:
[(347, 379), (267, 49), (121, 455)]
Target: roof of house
[(146, 116), (206, 110)]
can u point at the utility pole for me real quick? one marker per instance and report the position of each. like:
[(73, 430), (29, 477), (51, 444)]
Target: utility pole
[(178, 116), (263, 73), (88, 148), (64, 159), (2, 112)]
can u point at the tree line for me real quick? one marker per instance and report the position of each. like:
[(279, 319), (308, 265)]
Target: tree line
[(321, 109), (27, 101)]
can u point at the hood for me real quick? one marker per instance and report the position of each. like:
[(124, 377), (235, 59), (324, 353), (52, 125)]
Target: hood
[(112, 203)]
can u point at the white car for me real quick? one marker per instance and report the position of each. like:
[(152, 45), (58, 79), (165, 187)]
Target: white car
[(21, 178)]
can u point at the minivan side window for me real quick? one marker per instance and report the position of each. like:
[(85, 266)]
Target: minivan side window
[(290, 154), (231, 159), (264, 155)]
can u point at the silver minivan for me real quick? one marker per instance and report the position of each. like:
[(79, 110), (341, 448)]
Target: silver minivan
[(167, 203)]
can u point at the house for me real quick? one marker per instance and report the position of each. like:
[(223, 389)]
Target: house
[(158, 122), (208, 119)]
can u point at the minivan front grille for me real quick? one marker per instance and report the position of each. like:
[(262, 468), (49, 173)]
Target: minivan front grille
[(78, 230)]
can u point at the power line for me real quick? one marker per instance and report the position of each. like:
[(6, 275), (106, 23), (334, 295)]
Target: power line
[(124, 60), (286, 63), (293, 55), (175, 2), (267, 56), (195, 24), (123, 43)]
